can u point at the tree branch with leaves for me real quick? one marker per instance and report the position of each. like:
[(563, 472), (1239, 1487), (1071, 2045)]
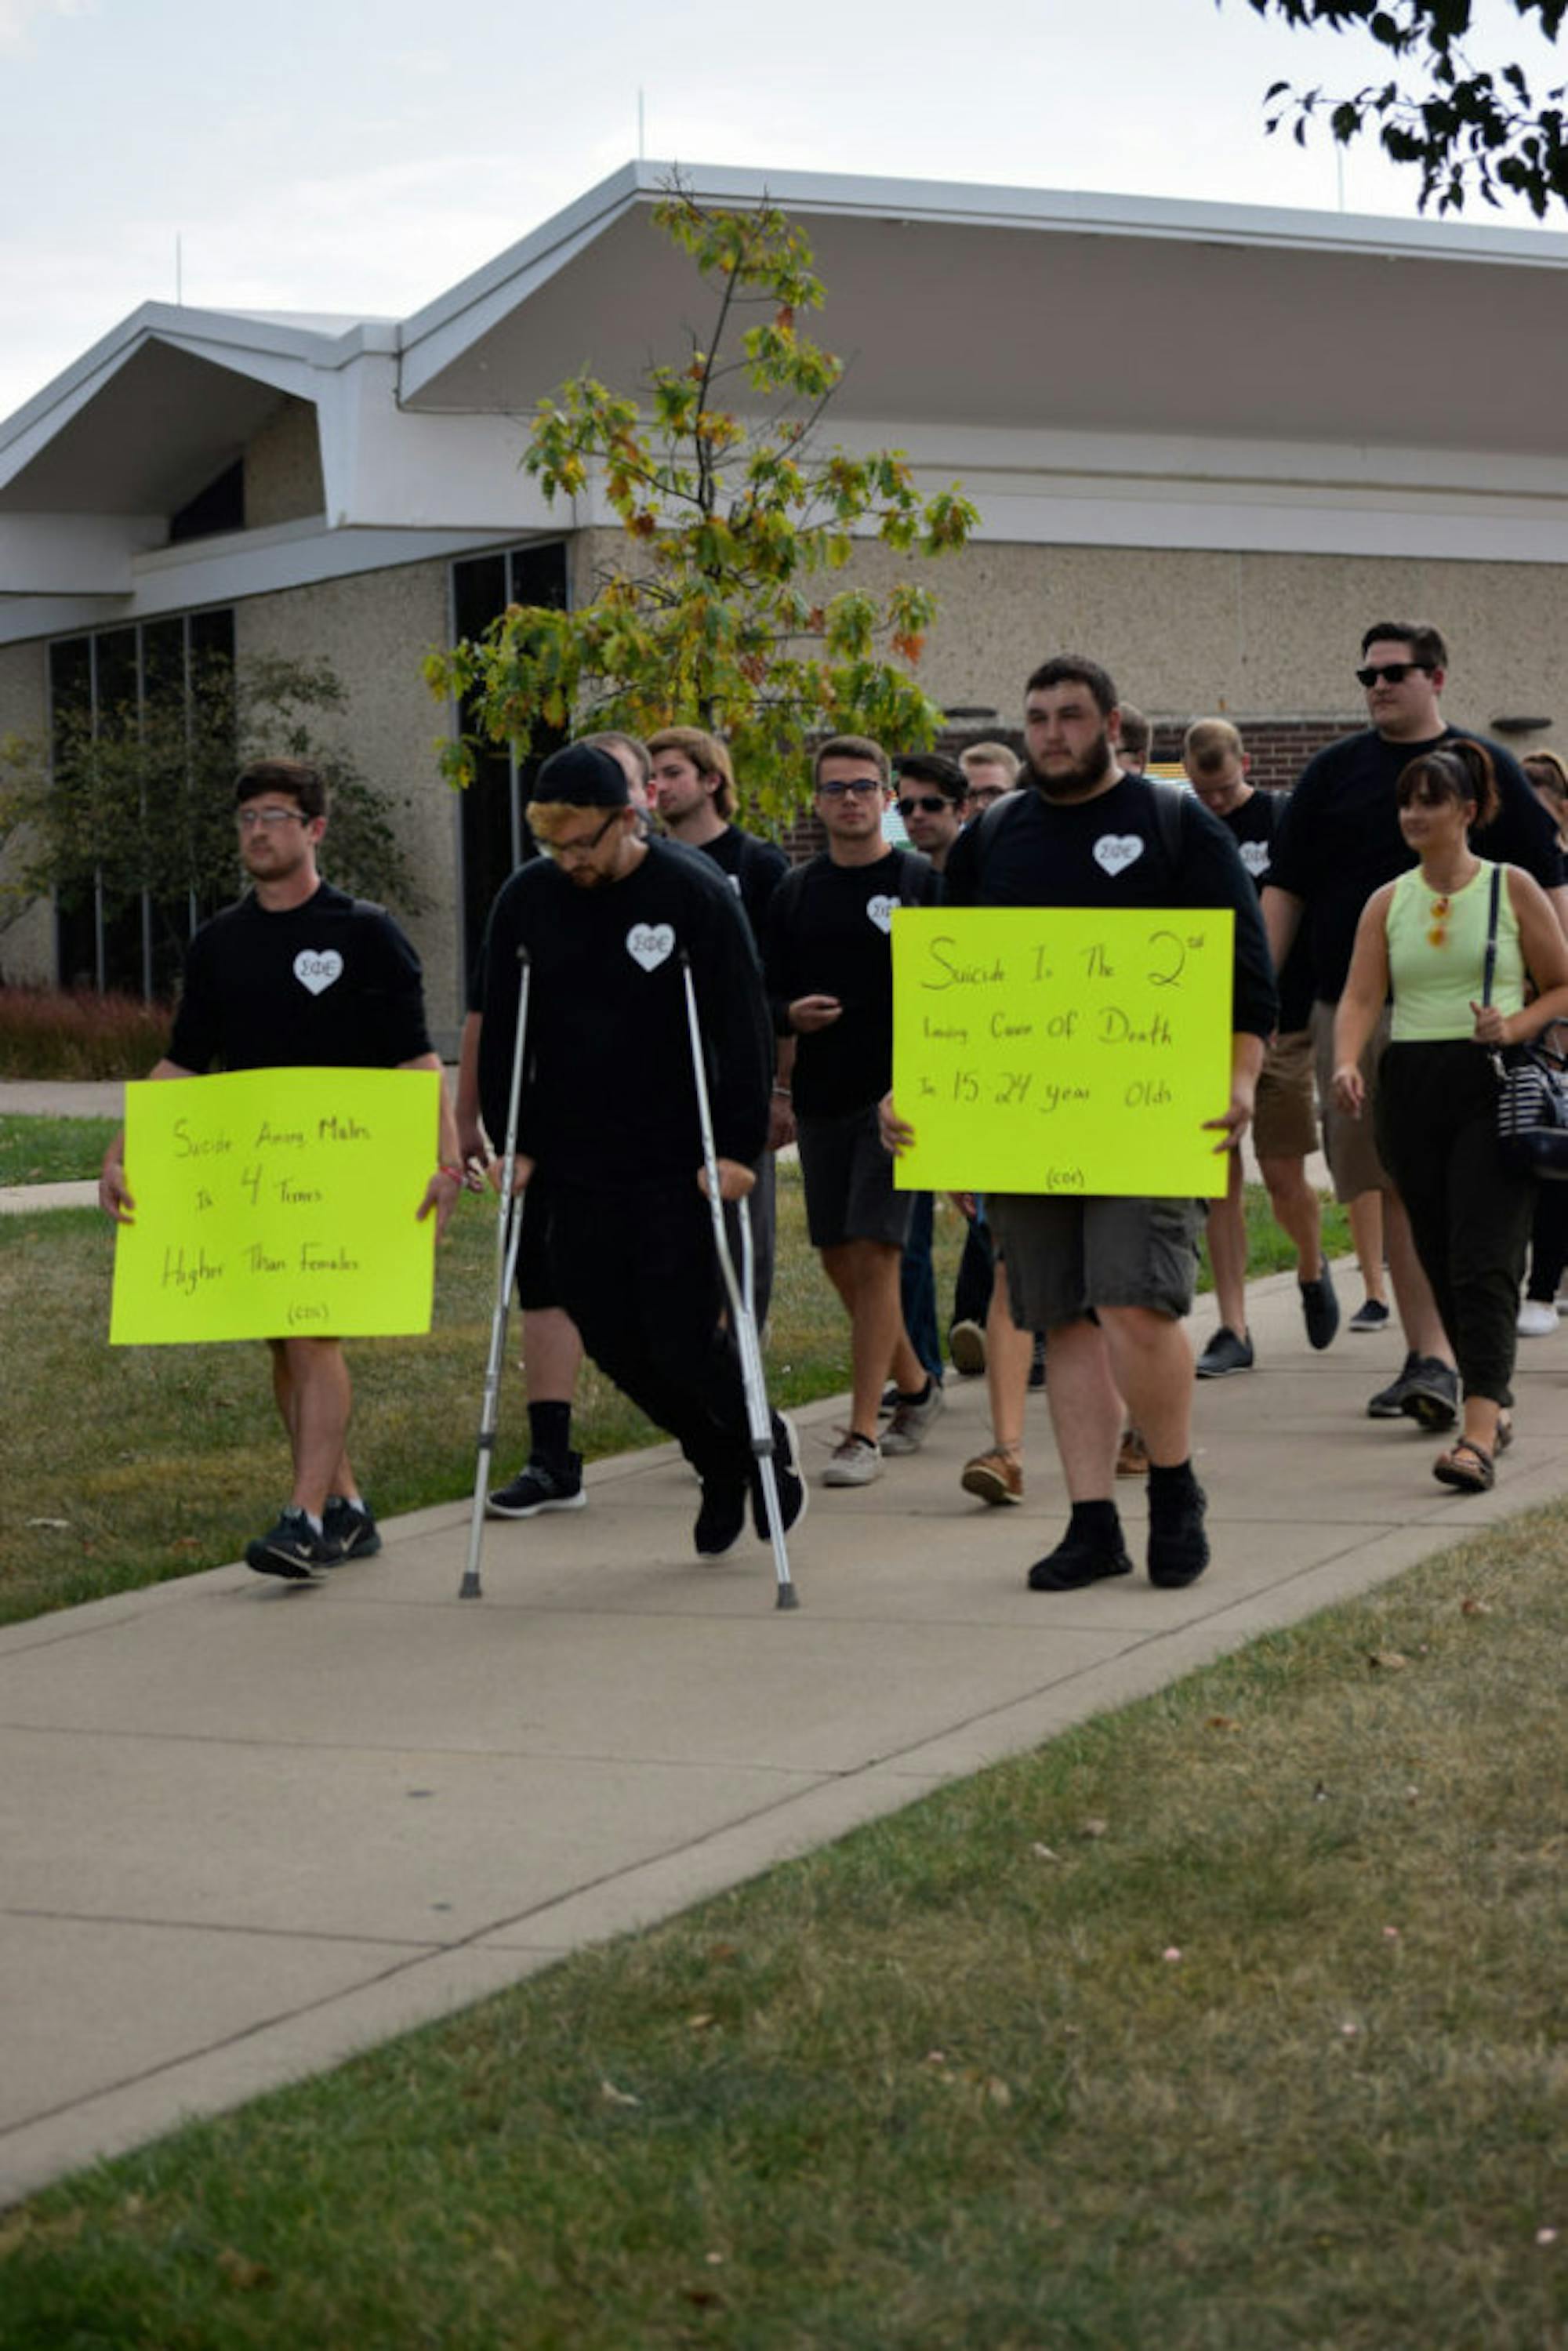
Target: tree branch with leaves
[(1460, 124)]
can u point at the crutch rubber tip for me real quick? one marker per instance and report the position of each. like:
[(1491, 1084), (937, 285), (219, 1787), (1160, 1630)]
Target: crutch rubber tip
[(469, 1588), (787, 1597)]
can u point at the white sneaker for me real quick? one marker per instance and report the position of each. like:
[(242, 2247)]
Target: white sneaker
[(1537, 1319), (854, 1461)]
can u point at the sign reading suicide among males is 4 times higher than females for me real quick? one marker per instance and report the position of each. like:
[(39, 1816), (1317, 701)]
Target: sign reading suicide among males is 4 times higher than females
[(274, 1204), (1061, 1049)]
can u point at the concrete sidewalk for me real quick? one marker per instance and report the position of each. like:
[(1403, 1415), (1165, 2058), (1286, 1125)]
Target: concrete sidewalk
[(250, 1828)]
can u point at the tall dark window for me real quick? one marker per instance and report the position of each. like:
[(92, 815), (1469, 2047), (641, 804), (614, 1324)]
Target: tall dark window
[(111, 684), (495, 834)]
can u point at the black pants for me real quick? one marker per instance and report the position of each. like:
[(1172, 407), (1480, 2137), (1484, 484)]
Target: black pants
[(1436, 1111), (638, 1274), (1548, 1242)]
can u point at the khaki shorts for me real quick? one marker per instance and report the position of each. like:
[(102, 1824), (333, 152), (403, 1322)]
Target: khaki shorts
[(1065, 1256), (1285, 1119), (1348, 1142)]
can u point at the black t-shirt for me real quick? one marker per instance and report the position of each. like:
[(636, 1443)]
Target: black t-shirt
[(754, 869), (608, 1097), (1339, 839), (328, 985), (830, 933), (1111, 851), (1253, 827)]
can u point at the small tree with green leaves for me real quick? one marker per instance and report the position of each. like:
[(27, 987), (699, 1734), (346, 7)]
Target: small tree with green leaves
[(720, 612), (139, 798)]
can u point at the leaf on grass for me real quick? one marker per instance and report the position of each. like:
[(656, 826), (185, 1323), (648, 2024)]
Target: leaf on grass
[(242, 2272), (1470, 1606), (1222, 1722), (1388, 1661), (54, 1526), (1172, 1953), (997, 2092), (614, 2097), (1044, 1853), (1093, 1826), (186, 1542), (699, 2023)]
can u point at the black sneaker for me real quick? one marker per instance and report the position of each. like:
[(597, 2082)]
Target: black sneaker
[(1431, 1396), (721, 1521), (1178, 1540), (538, 1487), (1225, 1354), (1075, 1563), (1388, 1404), (1370, 1315), (291, 1549), (1319, 1309), (355, 1532), (793, 1493)]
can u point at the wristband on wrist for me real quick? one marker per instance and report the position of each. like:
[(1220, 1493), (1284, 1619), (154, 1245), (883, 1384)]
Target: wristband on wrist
[(782, 1090), (455, 1173)]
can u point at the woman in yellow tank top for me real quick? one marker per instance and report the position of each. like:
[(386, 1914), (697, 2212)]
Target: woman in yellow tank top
[(1423, 939)]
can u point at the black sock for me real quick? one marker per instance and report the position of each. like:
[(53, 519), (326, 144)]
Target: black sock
[(917, 1395), (1097, 1524), (550, 1435), (1172, 1488)]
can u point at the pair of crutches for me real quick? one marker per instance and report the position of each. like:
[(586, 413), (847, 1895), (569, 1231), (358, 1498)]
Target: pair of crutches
[(740, 1290)]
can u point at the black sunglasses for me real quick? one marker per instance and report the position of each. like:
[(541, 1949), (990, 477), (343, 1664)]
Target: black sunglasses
[(1391, 672), (933, 806)]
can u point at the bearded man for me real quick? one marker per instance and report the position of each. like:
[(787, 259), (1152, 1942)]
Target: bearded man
[(1110, 1280)]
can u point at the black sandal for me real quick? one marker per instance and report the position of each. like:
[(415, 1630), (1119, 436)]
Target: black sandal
[(1467, 1465)]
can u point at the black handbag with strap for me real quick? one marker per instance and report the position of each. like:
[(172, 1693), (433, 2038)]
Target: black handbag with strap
[(1531, 1089)]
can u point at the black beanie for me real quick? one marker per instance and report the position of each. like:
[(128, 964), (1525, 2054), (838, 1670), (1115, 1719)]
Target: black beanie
[(582, 776)]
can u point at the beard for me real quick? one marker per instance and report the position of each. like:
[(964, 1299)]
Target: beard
[(1084, 777)]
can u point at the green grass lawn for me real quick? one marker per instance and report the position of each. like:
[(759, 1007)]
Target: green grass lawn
[(52, 1150), (127, 1466), (1233, 2021)]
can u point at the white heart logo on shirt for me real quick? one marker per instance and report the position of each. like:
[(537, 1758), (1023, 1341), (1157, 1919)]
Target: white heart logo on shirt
[(881, 911), (1117, 850), (315, 968), (1255, 857), (650, 944)]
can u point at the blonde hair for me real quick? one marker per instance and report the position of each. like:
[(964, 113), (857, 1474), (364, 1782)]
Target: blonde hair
[(992, 755), (1209, 743), (707, 755)]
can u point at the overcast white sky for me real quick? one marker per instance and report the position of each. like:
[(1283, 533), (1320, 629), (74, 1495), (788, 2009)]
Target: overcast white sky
[(315, 155)]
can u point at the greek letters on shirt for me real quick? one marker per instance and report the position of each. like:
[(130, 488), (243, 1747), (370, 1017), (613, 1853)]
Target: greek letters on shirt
[(317, 967), (1255, 856), (651, 943), (1115, 851)]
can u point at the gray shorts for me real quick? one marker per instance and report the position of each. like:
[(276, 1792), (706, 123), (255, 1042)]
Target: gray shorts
[(1064, 1257), (1350, 1145), (848, 1178)]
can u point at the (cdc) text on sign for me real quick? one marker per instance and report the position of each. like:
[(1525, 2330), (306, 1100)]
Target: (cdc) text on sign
[(1061, 1049), (274, 1203)]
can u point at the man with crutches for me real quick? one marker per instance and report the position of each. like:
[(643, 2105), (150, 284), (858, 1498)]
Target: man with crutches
[(623, 937)]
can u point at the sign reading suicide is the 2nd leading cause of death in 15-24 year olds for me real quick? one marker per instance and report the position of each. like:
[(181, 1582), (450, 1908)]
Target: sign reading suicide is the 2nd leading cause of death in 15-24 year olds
[(273, 1203), (1061, 1049)]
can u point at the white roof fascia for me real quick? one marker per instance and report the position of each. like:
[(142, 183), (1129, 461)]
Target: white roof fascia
[(231, 569), (393, 468), (290, 357), (74, 554), (445, 328), (1087, 212)]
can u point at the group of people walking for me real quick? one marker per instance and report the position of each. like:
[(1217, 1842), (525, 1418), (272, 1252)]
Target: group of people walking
[(1397, 921)]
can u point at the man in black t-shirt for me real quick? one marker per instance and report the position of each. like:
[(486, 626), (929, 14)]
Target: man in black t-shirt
[(694, 797), (1285, 1118), (608, 1112), (1339, 842), (299, 975), (1109, 1280), (829, 961)]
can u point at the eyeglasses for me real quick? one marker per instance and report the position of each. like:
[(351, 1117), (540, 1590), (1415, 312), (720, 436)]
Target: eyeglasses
[(933, 805), (248, 818), (566, 852), (1391, 672), (865, 785)]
